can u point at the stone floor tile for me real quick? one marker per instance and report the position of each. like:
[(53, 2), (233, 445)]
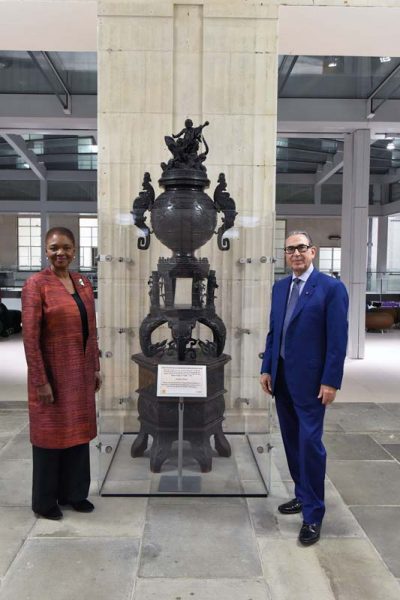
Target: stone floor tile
[(116, 517), (394, 450), (355, 570), (12, 422), (280, 463), (19, 469), (15, 493), (18, 447), (362, 417), (392, 408), (256, 487), (264, 515), (382, 525), (389, 437), (353, 446), (366, 482), (201, 589), (293, 572), (64, 569), (15, 524), (199, 539), (338, 520)]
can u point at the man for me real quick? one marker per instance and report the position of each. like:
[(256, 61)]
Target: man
[(303, 367)]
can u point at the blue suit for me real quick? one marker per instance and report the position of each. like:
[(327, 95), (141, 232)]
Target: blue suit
[(315, 350)]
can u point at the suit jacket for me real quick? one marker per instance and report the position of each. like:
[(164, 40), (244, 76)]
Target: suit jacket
[(53, 340), (316, 337)]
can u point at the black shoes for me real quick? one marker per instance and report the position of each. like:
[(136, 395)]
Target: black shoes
[(54, 514), (291, 508), (83, 506), (309, 533)]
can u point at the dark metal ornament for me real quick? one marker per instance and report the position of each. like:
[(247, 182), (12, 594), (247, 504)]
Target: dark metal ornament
[(183, 218)]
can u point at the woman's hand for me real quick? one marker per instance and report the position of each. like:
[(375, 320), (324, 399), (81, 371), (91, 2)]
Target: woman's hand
[(45, 393), (97, 381)]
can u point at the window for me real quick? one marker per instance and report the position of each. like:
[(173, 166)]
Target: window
[(280, 233), (29, 244), (87, 242), (329, 260)]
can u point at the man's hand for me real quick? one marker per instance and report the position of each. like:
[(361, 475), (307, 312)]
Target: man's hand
[(266, 383), (97, 381), (327, 394), (45, 393)]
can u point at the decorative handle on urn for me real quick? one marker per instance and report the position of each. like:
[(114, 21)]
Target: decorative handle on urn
[(225, 204), (144, 202)]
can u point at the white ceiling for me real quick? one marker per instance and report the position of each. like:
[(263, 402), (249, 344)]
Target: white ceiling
[(71, 25)]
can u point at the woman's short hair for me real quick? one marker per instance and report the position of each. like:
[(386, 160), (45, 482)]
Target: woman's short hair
[(61, 231)]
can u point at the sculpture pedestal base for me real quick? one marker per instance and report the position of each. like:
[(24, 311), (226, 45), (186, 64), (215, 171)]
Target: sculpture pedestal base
[(158, 416)]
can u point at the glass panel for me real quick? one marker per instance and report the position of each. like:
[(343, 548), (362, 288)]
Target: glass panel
[(87, 222), (393, 252), (226, 434), (85, 232), (78, 70), (339, 77), (294, 194), (24, 240)]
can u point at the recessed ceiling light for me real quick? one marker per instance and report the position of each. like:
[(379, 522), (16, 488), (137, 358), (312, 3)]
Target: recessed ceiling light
[(391, 145), (384, 59), (332, 63)]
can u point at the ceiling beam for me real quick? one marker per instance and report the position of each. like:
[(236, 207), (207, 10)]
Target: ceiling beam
[(392, 177), (19, 145), (52, 206), (391, 208), (329, 169), (27, 175)]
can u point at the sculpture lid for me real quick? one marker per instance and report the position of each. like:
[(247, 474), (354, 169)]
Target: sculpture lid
[(189, 178)]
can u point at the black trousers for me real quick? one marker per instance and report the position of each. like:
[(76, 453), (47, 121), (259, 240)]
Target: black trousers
[(59, 476)]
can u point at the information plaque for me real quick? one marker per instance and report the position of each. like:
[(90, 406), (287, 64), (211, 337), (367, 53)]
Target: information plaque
[(182, 381)]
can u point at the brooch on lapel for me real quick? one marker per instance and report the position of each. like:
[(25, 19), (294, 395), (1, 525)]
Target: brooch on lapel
[(80, 281)]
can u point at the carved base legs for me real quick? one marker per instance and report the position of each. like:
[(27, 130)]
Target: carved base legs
[(222, 445), (139, 446), (199, 442)]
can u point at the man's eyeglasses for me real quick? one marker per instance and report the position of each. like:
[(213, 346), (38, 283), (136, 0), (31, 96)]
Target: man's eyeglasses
[(301, 248)]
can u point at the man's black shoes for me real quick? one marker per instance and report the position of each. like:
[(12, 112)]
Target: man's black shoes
[(309, 533), (291, 508)]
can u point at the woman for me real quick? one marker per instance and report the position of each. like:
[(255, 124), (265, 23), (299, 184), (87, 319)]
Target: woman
[(59, 332)]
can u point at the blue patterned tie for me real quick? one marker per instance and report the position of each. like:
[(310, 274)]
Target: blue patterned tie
[(294, 296)]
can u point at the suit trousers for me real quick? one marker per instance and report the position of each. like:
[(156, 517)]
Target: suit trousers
[(59, 476), (301, 424)]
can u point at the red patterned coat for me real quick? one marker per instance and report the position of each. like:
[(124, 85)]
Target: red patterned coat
[(52, 333)]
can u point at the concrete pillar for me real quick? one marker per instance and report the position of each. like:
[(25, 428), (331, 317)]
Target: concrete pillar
[(381, 262), (355, 233), (159, 63)]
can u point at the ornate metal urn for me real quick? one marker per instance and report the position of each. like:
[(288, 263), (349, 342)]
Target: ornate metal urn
[(183, 217)]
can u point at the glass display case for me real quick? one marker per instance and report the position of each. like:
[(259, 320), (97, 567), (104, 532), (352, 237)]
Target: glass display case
[(186, 288)]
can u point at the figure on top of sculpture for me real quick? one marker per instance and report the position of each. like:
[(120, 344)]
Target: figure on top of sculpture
[(184, 147)]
